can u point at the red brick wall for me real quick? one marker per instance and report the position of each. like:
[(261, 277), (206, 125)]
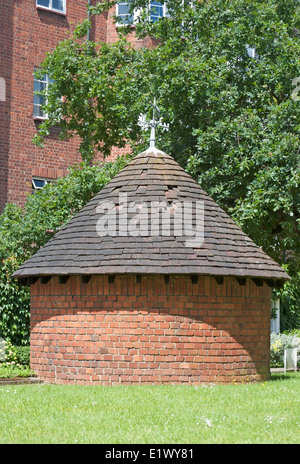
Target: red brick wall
[(6, 21), (150, 332), (27, 34)]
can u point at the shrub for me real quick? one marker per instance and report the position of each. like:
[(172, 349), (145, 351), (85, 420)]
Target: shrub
[(290, 304), (23, 355), (8, 355), (14, 305), (293, 332), (280, 342), (14, 360), (8, 372)]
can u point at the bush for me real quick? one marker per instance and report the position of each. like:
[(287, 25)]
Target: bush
[(7, 353), (9, 372), (14, 360), (293, 332), (290, 304), (14, 305), (13, 356), (280, 342), (23, 355)]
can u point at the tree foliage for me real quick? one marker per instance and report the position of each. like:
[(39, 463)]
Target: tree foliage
[(222, 73)]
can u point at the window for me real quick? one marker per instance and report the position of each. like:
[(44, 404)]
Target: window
[(157, 10), (58, 6), (38, 100), (38, 183), (124, 16)]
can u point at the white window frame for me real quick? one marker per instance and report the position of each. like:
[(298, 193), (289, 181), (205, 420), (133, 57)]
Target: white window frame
[(164, 7), (275, 323), (47, 81), (51, 8), (135, 16), (137, 12), (35, 188)]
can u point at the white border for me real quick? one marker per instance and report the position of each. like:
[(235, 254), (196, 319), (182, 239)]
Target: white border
[(53, 10)]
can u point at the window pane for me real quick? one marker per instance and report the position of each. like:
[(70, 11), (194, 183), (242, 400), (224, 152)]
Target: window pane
[(42, 86), (156, 11), (37, 100), (123, 8), (123, 13), (58, 5), (45, 3), (37, 111), (36, 85), (38, 183)]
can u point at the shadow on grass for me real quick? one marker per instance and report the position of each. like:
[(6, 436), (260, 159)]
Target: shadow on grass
[(285, 376)]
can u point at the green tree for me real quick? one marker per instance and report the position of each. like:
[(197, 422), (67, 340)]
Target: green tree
[(222, 73)]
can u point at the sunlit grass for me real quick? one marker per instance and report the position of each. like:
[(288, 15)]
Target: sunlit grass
[(247, 413)]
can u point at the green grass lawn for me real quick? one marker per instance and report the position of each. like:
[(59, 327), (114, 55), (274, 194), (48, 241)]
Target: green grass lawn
[(247, 413)]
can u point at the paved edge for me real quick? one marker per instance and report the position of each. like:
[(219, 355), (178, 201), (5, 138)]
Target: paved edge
[(20, 380)]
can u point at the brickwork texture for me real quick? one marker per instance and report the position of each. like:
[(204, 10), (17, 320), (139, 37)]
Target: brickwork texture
[(150, 329)]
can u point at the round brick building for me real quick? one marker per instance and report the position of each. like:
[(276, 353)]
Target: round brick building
[(150, 282)]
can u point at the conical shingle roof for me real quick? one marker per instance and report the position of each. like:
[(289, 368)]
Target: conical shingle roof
[(83, 246)]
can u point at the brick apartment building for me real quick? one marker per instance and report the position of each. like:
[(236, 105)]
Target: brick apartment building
[(28, 30)]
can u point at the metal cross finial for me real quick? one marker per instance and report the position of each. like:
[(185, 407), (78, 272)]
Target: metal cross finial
[(153, 123)]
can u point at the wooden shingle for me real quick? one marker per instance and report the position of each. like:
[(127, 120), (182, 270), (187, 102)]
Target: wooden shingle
[(152, 176)]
